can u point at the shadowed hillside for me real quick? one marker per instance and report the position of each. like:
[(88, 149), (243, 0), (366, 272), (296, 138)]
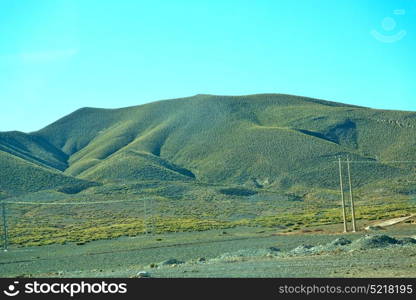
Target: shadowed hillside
[(201, 163), (19, 176), (268, 140)]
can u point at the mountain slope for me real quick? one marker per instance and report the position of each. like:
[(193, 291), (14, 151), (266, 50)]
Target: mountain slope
[(34, 149), (20, 176), (269, 140)]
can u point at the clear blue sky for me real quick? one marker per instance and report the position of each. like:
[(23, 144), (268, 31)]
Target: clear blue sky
[(57, 56)]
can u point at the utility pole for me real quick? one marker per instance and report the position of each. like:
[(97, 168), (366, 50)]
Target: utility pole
[(151, 211), (148, 221), (145, 216), (342, 195), (351, 196), (4, 213)]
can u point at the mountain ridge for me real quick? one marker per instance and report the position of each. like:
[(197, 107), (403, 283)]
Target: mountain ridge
[(277, 138)]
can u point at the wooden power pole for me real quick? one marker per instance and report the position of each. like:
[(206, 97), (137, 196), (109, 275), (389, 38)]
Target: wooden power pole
[(145, 215), (342, 195), (351, 196)]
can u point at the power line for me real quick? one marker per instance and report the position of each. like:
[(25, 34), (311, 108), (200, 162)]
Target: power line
[(68, 203), (380, 162)]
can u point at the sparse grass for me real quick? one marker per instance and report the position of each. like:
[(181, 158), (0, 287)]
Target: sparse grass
[(175, 207), (19, 176), (205, 162), (272, 141)]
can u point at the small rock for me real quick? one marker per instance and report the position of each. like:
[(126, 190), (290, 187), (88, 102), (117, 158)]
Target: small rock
[(274, 249), (340, 242), (374, 241), (171, 261), (408, 240), (143, 274), (373, 228), (302, 249)]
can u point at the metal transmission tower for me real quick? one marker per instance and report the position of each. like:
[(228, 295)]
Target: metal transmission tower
[(342, 195), (4, 213), (351, 196)]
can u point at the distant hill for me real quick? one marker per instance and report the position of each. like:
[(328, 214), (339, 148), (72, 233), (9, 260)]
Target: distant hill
[(21, 176), (266, 140)]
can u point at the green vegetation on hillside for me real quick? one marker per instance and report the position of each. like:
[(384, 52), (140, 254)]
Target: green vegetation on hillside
[(20, 176), (207, 162)]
